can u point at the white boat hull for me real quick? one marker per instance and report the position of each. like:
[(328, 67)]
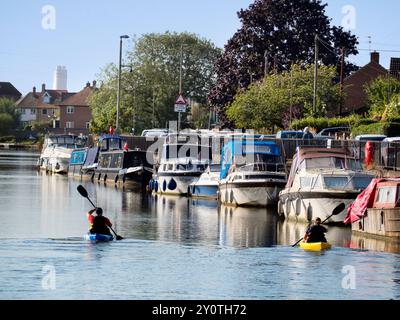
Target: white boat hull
[(174, 185), (307, 208), (249, 194)]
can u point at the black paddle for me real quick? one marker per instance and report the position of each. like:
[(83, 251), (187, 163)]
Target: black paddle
[(335, 212), (84, 194)]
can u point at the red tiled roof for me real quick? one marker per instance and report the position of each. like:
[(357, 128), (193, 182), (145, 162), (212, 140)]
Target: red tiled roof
[(78, 99)]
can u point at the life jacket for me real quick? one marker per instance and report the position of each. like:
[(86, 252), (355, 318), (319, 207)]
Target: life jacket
[(99, 225)]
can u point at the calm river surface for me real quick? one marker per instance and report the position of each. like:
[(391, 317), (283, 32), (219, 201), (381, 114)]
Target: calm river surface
[(175, 248)]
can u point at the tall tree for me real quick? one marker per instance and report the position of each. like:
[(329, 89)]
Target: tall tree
[(265, 105), (150, 88), (283, 32), (9, 116)]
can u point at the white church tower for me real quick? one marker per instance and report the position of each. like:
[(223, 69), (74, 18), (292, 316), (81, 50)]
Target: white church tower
[(60, 78)]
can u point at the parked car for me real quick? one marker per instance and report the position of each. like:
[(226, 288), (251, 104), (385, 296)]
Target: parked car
[(390, 152), (370, 137), (332, 133), (155, 133), (289, 135)]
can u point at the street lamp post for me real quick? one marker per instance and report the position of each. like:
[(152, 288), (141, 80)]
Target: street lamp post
[(119, 80)]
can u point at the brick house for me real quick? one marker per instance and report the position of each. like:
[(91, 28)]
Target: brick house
[(7, 90), (41, 106), (354, 85), (75, 113)]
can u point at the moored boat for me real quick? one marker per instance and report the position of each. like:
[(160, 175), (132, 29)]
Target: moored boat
[(376, 211), (207, 185), (252, 173), (320, 179), (56, 152), (182, 163)]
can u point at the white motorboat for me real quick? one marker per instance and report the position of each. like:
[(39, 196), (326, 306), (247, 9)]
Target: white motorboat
[(56, 152), (252, 173), (320, 179), (207, 185), (181, 164)]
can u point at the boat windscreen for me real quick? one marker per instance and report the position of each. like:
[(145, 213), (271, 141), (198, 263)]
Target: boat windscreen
[(332, 163)]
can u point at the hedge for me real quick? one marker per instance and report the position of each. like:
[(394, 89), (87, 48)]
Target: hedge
[(390, 129), (320, 123)]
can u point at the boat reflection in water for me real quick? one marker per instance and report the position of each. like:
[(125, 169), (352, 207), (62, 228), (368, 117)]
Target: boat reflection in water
[(289, 232), (247, 227), (363, 242)]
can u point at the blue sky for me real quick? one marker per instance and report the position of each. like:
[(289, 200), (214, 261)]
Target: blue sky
[(86, 34)]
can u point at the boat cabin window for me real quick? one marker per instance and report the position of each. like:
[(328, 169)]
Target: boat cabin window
[(331, 162), (215, 167), (336, 182), (387, 194), (361, 182), (306, 182)]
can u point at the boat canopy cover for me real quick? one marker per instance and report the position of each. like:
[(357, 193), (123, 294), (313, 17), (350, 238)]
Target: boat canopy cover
[(364, 201), (312, 153), (78, 157), (245, 147), (91, 157)]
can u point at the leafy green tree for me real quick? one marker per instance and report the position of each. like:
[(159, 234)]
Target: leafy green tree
[(380, 93), (283, 31), (9, 117), (151, 86), (263, 105)]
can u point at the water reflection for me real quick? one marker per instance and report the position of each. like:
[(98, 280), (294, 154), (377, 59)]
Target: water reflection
[(363, 242), (247, 227)]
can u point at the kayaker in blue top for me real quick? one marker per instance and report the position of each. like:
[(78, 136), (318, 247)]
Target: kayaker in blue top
[(99, 224), (316, 233)]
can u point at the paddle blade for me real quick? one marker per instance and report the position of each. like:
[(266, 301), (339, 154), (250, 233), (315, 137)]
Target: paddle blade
[(339, 209), (82, 191), (119, 238)]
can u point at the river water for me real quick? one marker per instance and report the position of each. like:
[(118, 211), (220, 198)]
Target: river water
[(175, 248)]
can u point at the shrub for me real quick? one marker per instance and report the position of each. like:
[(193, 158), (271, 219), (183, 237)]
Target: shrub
[(320, 123)]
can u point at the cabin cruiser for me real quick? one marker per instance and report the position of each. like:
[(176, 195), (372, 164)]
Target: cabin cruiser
[(56, 152), (207, 185), (183, 160), (252, 173), (83, 163), (320, 179), (118, 164)]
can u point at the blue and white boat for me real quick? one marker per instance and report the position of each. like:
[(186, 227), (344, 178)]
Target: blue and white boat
[(252, 173), (207, 185)]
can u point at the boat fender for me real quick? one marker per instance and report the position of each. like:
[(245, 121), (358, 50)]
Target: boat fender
[(280, 207), (156, 186), (164, 186), (369, 153), (287, 207), (298, 206), (172, 185)]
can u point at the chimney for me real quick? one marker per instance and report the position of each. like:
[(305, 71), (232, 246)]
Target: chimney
[(43, 87), (87, 84), (94, 84), (34, 90), (375, 57)]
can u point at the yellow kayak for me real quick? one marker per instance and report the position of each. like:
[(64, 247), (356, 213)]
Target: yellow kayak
[(315, 246)]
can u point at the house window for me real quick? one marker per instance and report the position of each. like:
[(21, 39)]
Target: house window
[(46, 99), (33, 111), (69, 124), (44, 111), (87, 125), (70, 109)]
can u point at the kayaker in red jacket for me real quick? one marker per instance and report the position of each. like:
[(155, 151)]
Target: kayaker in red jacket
[(99, 223), (316, 233)]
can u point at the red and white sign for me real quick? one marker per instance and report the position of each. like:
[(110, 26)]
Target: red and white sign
[(180, 104)]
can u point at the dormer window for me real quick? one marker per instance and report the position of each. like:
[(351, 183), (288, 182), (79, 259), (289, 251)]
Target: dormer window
[(70, 109), (46, 98)]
